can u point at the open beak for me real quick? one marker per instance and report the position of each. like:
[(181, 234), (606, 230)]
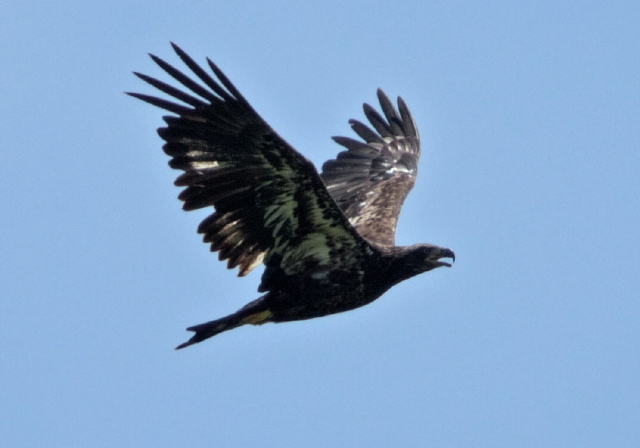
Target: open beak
[(445, 253)]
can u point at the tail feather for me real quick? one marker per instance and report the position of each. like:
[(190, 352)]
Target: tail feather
[(254, 313), (210, 329)]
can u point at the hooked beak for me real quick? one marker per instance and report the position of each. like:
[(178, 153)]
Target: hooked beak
[(444, 253)]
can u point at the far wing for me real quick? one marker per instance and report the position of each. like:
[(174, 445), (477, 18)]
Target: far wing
[(371, 179), (268, 199)]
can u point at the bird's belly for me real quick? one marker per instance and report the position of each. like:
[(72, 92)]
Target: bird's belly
[(316, 298)]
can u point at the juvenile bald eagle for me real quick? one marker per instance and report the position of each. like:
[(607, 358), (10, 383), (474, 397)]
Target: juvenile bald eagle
[(326, 240)]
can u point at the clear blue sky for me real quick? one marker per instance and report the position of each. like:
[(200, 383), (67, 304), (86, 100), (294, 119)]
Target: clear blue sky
[(530, 118)]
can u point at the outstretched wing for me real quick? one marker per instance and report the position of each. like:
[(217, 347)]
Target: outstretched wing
[(371, 179), (269, 200)]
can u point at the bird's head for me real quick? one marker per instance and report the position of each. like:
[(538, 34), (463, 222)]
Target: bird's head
[(414, 260), (425, 257)]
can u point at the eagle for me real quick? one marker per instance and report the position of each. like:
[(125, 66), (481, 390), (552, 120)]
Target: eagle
[(327, 240)]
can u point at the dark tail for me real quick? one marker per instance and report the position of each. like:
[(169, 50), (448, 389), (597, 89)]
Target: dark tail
[(255, 313), (210, 329)]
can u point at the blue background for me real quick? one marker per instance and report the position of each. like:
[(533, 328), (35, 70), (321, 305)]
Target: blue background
[(529, 116)]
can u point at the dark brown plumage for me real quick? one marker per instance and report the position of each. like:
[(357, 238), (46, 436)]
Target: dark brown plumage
[(327, 241)]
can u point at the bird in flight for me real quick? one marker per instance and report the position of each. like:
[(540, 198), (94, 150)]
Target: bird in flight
[(327, 240)]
